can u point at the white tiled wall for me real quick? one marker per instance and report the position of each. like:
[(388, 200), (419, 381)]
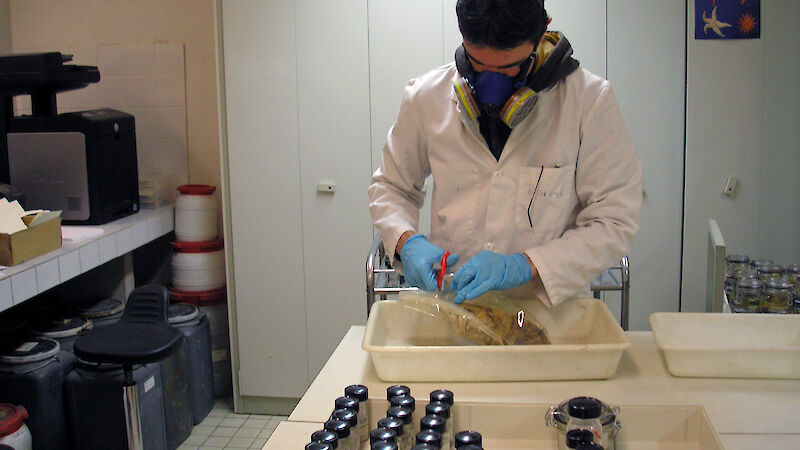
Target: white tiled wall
[(147, 81)]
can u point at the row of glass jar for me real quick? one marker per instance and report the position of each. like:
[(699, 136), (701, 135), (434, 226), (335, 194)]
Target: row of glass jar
[(760, 285), (739, 266), (774, 296)]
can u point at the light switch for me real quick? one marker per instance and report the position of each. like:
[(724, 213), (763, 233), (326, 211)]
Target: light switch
[(326, 186), (730, 185)]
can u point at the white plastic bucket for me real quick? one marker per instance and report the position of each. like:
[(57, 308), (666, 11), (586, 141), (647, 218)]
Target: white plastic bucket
[(196, 213), (198, 266), (13, 431)]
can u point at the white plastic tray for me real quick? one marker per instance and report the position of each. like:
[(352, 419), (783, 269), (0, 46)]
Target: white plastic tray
[(587, 344), (729, 345), (522, 426)]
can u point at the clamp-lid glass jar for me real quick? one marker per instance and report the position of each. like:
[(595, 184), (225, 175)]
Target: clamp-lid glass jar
[(769, 272), (732, 279), (777, 296), (748, 295), (793, 273), (586, 413), (733, 262), (756, 263)]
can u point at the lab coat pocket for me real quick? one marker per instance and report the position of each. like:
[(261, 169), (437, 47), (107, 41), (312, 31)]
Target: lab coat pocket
[(548, 200)]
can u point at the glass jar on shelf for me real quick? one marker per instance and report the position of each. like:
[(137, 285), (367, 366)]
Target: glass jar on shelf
[(732, 280), (769, 272), (777, 296), (748, 295), (733, 262), (756, 263), (793, 273), (796, 299)]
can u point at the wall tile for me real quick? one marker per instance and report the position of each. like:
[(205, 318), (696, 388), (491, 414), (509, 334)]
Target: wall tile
[(170, 90), (23, 285), (169, 59), (137, 91), (47, 275), (139, 59), (108, 91), (172, 154), (69, 266), (111, 60), (6, 299), (171, 122)]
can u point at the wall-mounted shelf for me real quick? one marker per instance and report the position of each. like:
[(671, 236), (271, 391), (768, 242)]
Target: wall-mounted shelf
[(24, 281)]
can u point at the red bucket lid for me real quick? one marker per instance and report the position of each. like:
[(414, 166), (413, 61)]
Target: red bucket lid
[(197, 247), (209, 297), (11, 417), (196, 189)]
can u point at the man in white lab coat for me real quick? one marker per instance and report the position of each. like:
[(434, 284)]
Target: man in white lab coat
[(537, 186)]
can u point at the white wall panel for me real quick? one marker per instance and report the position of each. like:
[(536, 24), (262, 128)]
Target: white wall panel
[(583, 22), (265, 193), (723, 138), (334, 117), (779, 199), (650, 91), (405, 40)]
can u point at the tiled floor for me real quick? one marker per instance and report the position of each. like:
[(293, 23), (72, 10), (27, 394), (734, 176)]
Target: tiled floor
[(223, 428)]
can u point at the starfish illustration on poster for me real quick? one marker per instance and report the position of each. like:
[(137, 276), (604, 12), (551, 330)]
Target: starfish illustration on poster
[(727, 19)]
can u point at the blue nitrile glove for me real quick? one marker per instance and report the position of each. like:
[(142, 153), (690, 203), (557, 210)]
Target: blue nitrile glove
[(419, 256), (488, 271)]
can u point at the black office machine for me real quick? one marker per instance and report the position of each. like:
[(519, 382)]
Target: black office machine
[(82, 163)]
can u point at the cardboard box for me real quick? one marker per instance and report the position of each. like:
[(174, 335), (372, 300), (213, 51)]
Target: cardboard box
[(42, 236)]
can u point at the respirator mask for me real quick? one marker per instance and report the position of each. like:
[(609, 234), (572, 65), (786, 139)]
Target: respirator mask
[(494, 94)]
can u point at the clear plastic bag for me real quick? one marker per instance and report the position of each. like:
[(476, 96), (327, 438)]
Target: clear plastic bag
[(491, 319)]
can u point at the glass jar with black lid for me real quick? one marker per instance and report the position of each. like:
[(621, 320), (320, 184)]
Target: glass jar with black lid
[(342, 430), (405, 415), (409, 402), (467, 437), (360, 393), (382, 434), (430, 437), (438, 424), (396, 425), (326, 437)]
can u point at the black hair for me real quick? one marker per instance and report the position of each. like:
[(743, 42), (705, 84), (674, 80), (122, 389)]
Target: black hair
[(501, 24)]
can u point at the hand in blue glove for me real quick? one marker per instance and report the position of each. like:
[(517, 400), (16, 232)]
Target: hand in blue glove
[(489, 271), (419, 256)]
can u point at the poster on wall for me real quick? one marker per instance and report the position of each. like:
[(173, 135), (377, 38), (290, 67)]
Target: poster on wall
[(727, 19)]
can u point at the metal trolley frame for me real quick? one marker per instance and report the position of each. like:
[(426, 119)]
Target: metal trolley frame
[(382, 280)]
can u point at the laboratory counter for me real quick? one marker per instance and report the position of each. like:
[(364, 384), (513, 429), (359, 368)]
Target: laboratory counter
[(746, 413)]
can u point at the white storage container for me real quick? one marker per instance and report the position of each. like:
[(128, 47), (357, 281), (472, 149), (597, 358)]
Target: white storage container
[(587, 343), (198, 266), (196, 213), (13, 431), (729, 345)]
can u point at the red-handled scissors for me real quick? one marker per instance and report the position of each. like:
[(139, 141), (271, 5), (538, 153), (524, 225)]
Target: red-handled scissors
[(442, 270)]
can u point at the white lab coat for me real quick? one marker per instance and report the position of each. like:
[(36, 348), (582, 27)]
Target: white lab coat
[(566, 191)]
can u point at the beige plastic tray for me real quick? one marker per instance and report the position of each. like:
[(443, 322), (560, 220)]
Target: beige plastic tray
[(587, 344), (729, 345), (522, 426)]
